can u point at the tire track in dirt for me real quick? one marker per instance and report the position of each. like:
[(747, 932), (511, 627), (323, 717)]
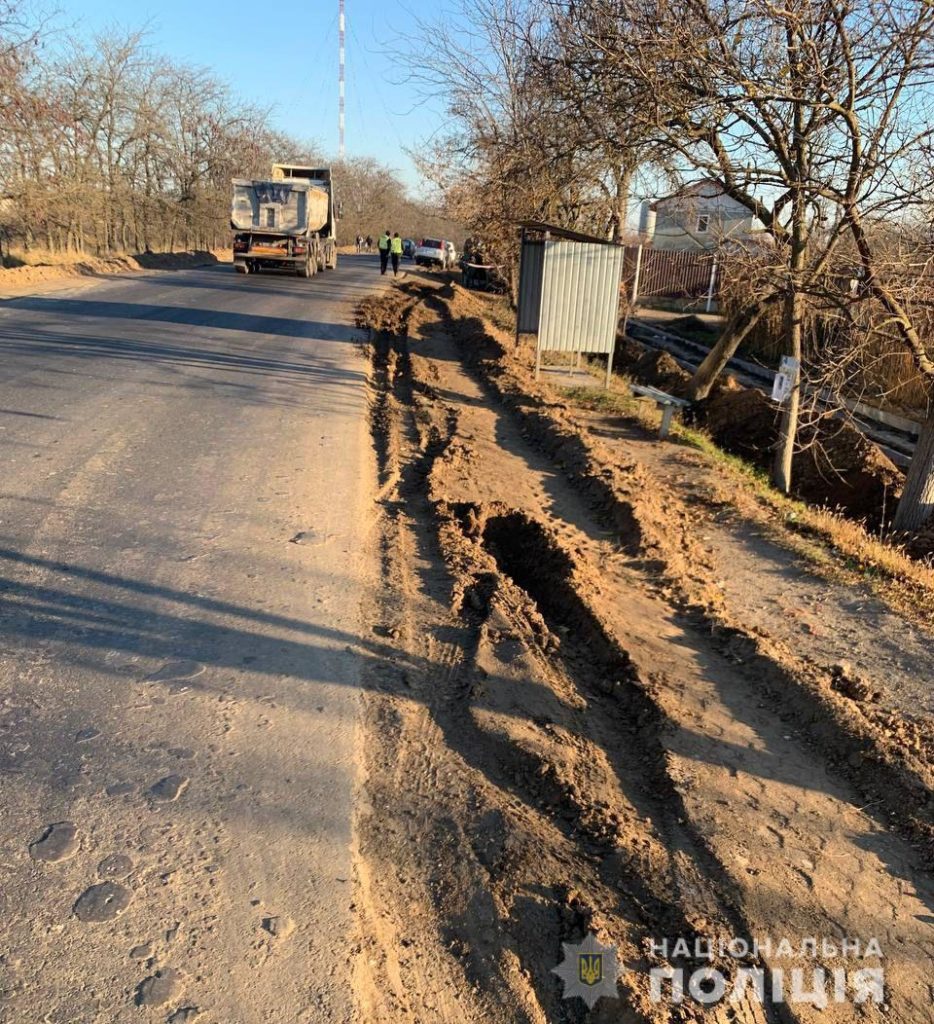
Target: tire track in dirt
[(528, 778), (887, 756), (435, 834), (545, 572)]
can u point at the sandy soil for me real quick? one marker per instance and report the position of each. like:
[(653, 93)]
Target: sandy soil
[(21, 280), (887, 659), (576, 733)]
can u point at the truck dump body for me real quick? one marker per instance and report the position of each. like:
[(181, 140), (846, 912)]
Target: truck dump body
[(279, 207), (286, 222), (319, 177)]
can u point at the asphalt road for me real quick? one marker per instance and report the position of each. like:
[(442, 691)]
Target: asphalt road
[(184, 502)]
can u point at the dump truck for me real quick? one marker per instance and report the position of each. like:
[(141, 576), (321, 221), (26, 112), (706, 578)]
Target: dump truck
[(286, 222)]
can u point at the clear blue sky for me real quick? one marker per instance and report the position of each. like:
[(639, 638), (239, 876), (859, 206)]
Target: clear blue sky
[(284, 55)]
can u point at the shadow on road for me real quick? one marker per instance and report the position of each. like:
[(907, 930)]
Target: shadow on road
[(213, 319), (329, 285), (311, 369)]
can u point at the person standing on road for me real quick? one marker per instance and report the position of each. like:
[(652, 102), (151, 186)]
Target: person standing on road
[(395, 250), (384, 244), (359, 243), (368, 242)]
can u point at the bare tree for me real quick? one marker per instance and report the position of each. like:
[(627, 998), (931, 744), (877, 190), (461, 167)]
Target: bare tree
[(520, 145), (105, 146), (109, 147), (810, 115)]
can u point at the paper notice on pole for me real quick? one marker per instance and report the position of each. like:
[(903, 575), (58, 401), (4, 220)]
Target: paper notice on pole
[(785, 379), (781, 387)]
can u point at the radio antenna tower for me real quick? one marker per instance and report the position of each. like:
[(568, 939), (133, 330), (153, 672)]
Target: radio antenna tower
[(340, 108)]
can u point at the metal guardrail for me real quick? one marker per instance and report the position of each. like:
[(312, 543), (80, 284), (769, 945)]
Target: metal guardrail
[(895, 435)]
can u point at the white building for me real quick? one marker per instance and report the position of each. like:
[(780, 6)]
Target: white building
[(698, 216)]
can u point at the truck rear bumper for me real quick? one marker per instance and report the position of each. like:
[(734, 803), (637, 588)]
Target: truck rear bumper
[(264, 257)]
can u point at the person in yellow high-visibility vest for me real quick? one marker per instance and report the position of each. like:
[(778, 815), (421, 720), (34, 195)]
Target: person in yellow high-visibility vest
[(395, 250), (383, 245)]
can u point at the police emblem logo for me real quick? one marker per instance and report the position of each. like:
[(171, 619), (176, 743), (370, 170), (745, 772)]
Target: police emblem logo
[(589, 970)]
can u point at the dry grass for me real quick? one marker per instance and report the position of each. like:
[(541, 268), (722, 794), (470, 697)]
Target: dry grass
[(883, 372), (837, 547), (44, 258), (616, 402)]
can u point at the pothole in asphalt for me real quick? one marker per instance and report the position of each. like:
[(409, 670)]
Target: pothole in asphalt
[(102, 902), (117, 865), (176, 670), (161, 987), (57, 843), (120, 788), (170, 788)]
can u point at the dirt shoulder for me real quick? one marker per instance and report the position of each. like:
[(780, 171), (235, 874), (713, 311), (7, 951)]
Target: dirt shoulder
[(572, 735), (21, 280), (781, 585), (671, 506)]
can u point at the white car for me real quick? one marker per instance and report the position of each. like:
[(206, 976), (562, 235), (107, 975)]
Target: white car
[(436, 252)]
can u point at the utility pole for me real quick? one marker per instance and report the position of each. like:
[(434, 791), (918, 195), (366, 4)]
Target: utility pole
[(340, 114)]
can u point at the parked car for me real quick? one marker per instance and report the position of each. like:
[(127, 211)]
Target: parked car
[(408, 248), (436, 252)]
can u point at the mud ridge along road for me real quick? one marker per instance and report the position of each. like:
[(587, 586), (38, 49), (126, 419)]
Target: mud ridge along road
[(560, 748), (184, 506)]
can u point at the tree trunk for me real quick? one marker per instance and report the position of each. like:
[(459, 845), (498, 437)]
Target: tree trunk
[(794, 298), (735, 333), (784, 453), (916, 505), (623, 176)]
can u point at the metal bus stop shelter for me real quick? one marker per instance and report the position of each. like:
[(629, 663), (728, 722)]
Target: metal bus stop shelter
[(569, 293)]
